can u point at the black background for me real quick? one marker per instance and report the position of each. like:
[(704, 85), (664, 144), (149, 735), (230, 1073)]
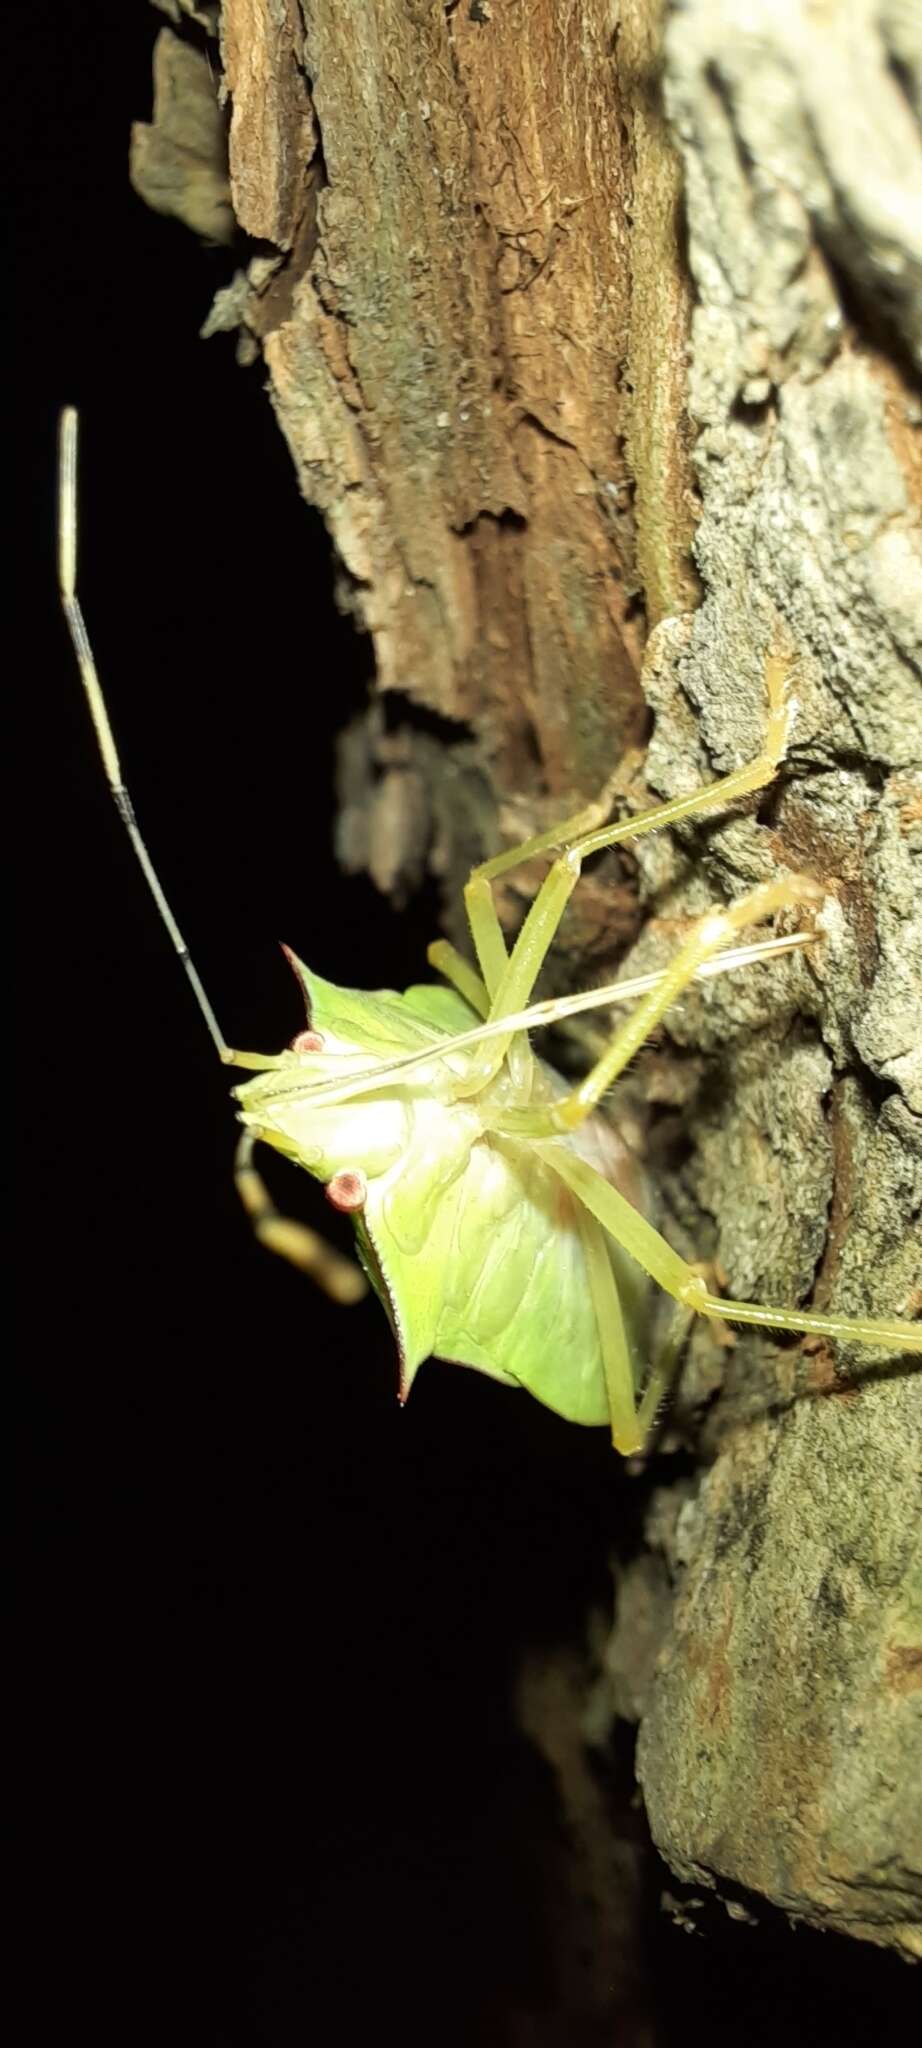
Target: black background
[(271, 1780)]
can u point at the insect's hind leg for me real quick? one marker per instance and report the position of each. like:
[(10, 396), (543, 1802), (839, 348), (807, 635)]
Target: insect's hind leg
[(343, 1281), (664, 1368), (613, 1340), (686, 1284)]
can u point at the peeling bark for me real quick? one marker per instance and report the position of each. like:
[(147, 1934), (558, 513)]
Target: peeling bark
[(572, 481), (178, 161)]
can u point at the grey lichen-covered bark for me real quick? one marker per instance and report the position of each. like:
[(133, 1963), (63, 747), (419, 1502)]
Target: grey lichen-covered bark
[(518, 408), (779, 1741)]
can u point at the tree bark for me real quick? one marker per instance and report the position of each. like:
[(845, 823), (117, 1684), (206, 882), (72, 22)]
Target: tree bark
[(602, 389)]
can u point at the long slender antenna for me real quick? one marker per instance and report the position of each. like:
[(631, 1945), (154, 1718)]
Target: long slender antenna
[(367, 1080), (67, 576)]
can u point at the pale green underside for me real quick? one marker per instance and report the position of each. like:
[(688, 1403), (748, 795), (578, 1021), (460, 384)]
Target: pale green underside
[(491, 1273), (475, 1244)]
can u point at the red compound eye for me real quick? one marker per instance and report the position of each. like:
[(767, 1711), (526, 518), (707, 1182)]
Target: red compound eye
[(347, 1190), (307, 1041)]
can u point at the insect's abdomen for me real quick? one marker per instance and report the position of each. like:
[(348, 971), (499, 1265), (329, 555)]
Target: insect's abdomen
[(493, 1274)]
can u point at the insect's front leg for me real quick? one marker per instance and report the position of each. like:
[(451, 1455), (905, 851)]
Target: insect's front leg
[(479, 902), (340, 1278), (508, 983), (511, 978), (587, 832)]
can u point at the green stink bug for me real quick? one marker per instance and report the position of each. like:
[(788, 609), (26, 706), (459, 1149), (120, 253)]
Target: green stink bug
[(499, 1219)]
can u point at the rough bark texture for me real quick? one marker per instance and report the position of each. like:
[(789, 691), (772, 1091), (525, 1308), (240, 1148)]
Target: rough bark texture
[(780, 1743), (519, 410), (451, 347)]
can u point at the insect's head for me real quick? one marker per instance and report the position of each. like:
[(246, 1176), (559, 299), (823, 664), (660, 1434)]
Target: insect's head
[(304, 1107), (388, 1144), (297, 1109)]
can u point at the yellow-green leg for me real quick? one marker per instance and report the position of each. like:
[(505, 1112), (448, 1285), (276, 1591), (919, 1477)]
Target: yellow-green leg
[(453, 967), (662, 1373), (686, 1284), (626, 1225), (709, 936), (486, 930), (510, 985), (343, 1281), (613, 1341)]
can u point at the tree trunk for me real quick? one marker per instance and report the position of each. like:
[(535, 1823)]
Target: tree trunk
[(599, 402)]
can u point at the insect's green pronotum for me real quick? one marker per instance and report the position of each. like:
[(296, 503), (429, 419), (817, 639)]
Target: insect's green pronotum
[(499, 1219)]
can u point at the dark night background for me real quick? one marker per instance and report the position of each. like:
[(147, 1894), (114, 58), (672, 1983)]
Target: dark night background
[(271, 1783)]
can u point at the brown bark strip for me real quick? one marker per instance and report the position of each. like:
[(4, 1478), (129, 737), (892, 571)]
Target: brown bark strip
[(449, 374)]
